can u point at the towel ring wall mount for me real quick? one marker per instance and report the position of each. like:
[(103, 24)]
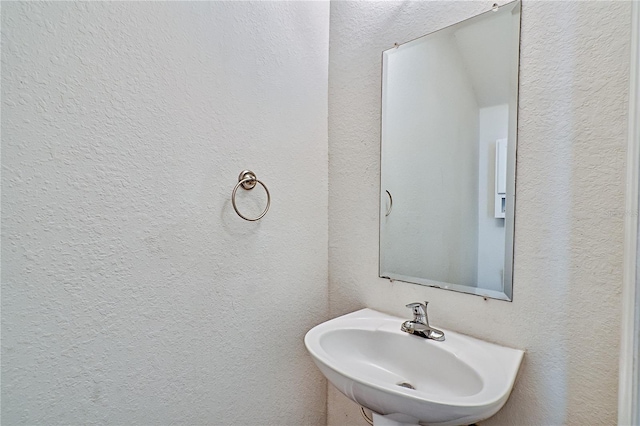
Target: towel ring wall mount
[(247, 179)]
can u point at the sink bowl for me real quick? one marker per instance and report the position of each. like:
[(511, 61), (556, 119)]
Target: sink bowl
[(405, 379)]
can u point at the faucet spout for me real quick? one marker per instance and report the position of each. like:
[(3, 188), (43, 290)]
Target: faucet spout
[(422, 330)]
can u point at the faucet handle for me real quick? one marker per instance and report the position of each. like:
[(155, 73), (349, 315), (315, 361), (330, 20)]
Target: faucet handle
[(419, 312)]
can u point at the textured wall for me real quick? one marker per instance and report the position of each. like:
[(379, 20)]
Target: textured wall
[(131, 291), (570, 204)]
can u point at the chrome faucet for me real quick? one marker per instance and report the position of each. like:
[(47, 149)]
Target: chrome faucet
[(420, 324)]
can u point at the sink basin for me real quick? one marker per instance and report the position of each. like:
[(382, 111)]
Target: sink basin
[(405, 379)]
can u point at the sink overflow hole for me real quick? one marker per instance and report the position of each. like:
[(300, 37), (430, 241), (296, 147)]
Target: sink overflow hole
[(405, 385)]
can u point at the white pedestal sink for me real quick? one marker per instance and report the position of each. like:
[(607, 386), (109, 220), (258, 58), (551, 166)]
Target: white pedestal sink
[(405, 379)]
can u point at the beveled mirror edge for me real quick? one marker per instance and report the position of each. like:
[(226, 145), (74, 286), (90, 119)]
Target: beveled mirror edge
[(492, 294), (512, 150), (507, 293), (509, 7)]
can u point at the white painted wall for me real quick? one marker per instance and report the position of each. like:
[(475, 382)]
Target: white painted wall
[(131, 291), (432, 231), (494, 124), (569, 212), (128, 283)]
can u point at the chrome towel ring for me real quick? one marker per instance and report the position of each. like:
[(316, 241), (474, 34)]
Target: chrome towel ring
[(248, 180)]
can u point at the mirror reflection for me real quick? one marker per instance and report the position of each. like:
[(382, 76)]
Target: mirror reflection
[(448, 144)]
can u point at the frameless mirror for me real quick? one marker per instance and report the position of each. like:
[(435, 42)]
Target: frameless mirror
[(448, 150)]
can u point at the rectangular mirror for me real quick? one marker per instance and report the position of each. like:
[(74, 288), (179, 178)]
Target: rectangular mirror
[(448, 151)]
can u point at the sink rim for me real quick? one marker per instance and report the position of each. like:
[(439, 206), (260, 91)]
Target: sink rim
[(497, 379)]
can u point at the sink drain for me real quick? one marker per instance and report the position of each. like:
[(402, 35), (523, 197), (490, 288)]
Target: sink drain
[(405, 385)]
